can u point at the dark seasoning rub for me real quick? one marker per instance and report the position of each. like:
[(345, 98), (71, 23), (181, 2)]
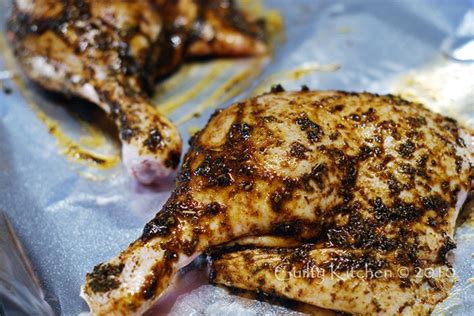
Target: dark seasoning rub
[(365, 219), (347, 193)]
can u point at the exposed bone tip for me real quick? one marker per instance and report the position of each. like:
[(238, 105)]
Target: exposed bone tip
[(146, 169)]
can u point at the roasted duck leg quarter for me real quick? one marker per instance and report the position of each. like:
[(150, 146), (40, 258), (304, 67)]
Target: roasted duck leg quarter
[(357, 171), (111, 52), (100, 51)]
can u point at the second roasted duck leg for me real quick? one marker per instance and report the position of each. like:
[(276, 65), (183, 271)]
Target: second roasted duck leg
[(362, 171), (99, 50), (110, 53)]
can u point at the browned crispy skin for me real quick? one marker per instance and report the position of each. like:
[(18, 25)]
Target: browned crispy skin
[(208, 28), (353, 171), (221, 29)]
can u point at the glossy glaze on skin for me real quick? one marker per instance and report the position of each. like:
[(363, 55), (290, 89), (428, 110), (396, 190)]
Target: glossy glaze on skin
[(353, 171), (111, 52)]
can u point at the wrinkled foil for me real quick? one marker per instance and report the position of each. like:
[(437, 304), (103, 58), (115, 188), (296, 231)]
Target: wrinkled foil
[(18, 285), (211, 300), (70, 216)]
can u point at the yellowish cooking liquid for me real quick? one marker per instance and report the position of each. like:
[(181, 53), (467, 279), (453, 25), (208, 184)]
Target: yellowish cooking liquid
[(273, 18), (229, 89), (193, 130), (243, 79), (175, 79), (170, 106), (74, 151), (95, 138), (282, 77)]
